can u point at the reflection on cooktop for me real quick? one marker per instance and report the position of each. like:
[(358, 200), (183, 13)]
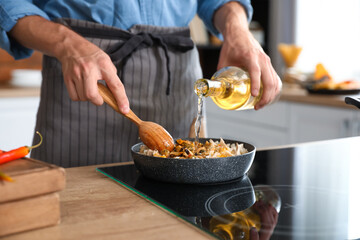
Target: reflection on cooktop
[(307, 192), (200, 200), (262, 216), (186, 199)]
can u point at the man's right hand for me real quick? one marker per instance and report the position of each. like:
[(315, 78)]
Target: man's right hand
[(83, 69), (83, 63)]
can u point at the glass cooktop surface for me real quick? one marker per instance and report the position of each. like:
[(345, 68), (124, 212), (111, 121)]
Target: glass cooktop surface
[(305, 192)]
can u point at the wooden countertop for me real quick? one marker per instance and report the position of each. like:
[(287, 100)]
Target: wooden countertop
[(293, 93), (95, 207), (289, 93)]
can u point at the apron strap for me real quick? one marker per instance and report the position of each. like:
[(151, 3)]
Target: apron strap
[(179, 41)]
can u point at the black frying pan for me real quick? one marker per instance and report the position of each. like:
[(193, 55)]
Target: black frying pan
[(194, 171)]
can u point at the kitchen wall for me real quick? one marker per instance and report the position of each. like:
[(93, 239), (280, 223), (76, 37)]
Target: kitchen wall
[(282, 25), (328, 31)]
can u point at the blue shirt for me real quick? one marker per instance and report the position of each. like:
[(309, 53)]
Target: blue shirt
[(118, 13)]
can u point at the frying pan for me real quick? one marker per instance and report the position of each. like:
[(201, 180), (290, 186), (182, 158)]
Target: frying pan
[(194, 171)]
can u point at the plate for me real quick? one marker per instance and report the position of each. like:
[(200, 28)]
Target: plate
[(333, 91)]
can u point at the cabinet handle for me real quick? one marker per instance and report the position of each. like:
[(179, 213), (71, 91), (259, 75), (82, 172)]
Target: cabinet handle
[(346, 128), (357, 127)]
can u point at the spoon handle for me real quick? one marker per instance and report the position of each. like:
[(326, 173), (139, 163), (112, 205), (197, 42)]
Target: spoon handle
[(110, 100)]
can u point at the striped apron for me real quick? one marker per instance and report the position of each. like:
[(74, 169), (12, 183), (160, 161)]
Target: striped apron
[(158, 80)]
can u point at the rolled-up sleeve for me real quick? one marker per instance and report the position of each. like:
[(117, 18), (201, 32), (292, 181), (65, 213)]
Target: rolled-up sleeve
[(10, 13), (207, 8)]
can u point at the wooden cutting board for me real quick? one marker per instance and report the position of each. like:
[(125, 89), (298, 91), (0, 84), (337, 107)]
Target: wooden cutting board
[(32, 178), (32, 200), (29, 213)]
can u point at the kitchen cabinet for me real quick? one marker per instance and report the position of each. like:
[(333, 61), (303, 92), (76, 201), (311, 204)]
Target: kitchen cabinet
[(17, 122), (261, 128), (283, 123), (312, 123)]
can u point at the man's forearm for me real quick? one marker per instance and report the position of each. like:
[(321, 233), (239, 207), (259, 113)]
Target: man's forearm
[(229, 17), (83, 63), (241, 49), (45, 36)]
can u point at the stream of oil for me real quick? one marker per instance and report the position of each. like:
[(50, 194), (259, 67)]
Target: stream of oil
[(199, 117)]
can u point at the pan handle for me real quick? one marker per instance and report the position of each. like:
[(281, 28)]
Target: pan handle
[(353, 101)]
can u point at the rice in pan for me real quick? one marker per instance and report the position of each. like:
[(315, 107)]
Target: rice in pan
[(185, 149)]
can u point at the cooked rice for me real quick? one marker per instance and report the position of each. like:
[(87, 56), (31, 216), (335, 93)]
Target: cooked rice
[(185, 149)]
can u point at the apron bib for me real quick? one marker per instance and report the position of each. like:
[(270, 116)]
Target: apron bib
[(158, 71)]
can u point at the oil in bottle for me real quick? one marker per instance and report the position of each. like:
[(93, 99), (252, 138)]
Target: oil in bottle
[(229, 88)]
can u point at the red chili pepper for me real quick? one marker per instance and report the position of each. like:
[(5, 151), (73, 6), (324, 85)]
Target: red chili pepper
[(18, 152)]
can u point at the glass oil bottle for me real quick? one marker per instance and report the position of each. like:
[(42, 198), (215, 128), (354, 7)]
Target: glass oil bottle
[(229, 88)]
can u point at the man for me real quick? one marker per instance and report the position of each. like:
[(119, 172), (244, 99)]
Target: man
[(144, 42)]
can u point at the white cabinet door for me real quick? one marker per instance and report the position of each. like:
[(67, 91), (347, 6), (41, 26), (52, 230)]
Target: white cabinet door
[(264, 128), (259, 136), (274, 115), (17, 121), (313, 123), (356, 123)]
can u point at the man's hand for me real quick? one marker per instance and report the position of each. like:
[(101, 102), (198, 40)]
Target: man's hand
[(83, 63), (269, 217), (81, 72), (241, 49)]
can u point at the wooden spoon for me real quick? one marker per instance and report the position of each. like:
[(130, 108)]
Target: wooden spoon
[(151, 134)]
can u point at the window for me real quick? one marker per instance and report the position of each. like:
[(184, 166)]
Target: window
[(329, 32)]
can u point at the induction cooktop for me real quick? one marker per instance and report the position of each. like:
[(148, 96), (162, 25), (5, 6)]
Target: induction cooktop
[(305, 192)]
